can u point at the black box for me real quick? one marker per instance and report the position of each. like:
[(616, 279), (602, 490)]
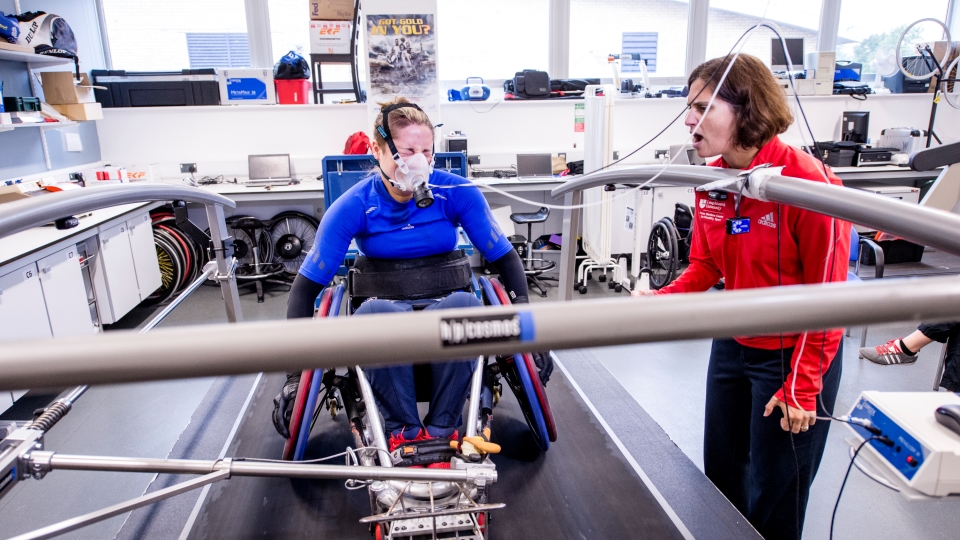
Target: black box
[(156, 89), (837, 154), (19, 104), (867, 156)]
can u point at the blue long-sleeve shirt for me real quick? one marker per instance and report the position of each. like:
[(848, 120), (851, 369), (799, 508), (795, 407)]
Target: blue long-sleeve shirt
[(387, 229)]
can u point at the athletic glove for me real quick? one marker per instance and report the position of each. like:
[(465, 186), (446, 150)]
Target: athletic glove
[(544, 363), (283, 404)]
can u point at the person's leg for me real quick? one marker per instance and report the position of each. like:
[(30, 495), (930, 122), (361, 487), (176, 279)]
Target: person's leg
[(782, 465), (938, 332), (393, 386), (450, 380), (951, 363), (726, 428), (916, 341)]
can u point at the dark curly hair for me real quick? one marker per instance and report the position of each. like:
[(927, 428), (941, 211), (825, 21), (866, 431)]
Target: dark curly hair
[(758, 102)]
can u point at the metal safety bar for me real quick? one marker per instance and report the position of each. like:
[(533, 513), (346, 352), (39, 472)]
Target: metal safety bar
[(168, 353), (919, 224), (209, 271), (32, 212)]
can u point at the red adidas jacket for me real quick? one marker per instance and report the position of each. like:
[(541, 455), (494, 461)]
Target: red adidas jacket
[(813, 249)]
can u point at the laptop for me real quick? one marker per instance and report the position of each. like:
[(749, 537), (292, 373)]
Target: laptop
[(534, 166), (268, 170)]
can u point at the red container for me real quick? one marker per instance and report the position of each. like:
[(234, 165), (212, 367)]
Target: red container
[(293, 91)]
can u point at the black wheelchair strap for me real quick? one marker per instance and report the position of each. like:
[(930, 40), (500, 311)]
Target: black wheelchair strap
[(410, 279)]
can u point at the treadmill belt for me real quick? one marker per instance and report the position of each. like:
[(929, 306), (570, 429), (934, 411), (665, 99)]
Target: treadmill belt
[(583, 487)]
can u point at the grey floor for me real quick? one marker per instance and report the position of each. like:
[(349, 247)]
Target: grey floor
[(194, 417)]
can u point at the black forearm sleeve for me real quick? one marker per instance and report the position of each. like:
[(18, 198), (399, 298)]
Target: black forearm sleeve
[(303, 293), (510, 268)]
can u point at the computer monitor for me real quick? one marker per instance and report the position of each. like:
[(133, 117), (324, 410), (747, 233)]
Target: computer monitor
[(778, 60), (533, 165), (854, 126), (269, 166)]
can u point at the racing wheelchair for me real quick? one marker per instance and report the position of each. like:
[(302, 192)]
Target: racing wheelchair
[(405, 510), (668, 246)]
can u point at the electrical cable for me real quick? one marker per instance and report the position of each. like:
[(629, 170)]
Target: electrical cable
[(847, 475)]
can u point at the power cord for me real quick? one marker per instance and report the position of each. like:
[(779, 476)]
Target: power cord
[(884, 440)]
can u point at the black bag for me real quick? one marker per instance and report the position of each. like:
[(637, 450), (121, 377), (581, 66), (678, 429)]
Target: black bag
[(529, 84), (572, 86), (291, 66)]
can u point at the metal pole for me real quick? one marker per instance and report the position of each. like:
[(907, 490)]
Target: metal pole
[(568, 251), (473, 410), (208, 270), (287, 469), (169, 353), (379, 440), (73, 524), (223, 254)]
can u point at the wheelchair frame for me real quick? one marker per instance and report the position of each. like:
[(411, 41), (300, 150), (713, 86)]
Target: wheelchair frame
[(407, 509)]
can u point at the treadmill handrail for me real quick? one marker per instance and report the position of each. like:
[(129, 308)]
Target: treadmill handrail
[(32, 212), (929, 159)]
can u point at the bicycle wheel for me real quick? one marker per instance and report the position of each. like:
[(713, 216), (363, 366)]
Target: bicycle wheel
[(661, 255), (913, 55), (171, 269), (189, 260), (949, 89), (292, 235)]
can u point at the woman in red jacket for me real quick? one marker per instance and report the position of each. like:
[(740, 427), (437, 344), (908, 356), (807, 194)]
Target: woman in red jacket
[(762, 444)]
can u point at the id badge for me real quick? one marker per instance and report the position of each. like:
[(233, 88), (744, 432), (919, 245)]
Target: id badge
[(738, 225)]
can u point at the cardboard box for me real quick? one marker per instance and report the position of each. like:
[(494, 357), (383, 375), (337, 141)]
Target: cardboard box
[(247, 86), (15, 192), (60, 88), (80, 111), (330, 37), (331, 10), (938, 48)]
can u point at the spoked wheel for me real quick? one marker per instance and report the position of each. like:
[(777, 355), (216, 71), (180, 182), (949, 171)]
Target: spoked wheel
[(300, 404), (292, 234), (171, 269), (913, 57), (243, 244), (662, 254), (520, 379)]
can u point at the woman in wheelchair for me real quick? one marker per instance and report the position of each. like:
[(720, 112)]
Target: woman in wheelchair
[(407, 235)]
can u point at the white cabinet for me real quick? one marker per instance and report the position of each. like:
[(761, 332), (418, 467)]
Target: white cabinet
[(23, 313), (118, 291), (144, 254), (126, 269), (64, 294)]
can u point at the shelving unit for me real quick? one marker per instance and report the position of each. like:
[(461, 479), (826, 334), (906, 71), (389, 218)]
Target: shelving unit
[(15, 53), (8, 127)]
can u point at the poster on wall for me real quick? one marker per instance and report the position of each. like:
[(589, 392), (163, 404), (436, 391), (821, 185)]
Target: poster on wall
[(401, 56)]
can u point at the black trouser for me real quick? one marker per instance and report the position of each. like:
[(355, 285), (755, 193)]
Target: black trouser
[(748, 456), (951, 366)]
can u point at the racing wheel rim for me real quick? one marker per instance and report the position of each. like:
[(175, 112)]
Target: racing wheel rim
[(303, 391), (532, 369), (514, 370), (900, 58), (332, 310)]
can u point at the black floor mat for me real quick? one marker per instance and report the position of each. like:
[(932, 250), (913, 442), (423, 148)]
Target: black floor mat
[(583, 487)]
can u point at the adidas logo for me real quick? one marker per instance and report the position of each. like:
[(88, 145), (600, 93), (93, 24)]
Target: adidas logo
[(407, 228), (768, 220), (371, 209)]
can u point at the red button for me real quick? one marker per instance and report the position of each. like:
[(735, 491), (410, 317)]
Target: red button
[(911, 461)]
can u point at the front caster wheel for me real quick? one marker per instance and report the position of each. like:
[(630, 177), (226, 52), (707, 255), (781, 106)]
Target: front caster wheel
[(583, 289)]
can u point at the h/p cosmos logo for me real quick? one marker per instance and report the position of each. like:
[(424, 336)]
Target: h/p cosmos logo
[(480, 329)]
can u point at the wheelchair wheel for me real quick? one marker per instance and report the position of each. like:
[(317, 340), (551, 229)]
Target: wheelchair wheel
[(662, 254), (514, 369), (534, 372), (292, 234), (304, 391), (171, 269)]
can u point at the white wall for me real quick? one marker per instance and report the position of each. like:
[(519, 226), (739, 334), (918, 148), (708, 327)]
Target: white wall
[(220, 138)]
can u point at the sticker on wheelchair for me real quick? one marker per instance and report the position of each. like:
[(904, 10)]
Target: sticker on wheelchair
[(459, 331)]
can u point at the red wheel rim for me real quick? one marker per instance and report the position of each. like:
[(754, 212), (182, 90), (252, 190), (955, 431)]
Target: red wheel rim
[(534, 372)]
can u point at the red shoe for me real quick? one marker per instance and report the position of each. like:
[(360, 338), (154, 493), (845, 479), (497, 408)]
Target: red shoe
[(443, 464), (398, 439)]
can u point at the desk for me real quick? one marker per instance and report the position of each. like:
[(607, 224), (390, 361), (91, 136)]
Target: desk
[(887, 174)]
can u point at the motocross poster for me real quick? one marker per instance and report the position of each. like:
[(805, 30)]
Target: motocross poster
[(401, 52)]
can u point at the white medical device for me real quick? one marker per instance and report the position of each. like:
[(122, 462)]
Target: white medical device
[(924, 459)]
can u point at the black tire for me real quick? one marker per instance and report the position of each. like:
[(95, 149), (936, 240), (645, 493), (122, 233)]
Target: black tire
[(264, 245), (583, 289), (612, 284), (179, 253), (662, 254), (602, 278), (292, 235), (618, 288)]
